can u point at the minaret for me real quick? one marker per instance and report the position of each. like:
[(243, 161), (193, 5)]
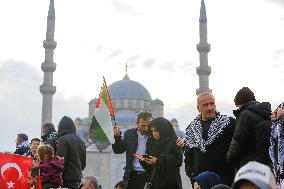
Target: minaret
[(203, 48), (48, 67)]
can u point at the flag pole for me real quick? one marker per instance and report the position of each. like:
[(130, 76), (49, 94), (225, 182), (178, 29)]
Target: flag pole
[(112, 113)]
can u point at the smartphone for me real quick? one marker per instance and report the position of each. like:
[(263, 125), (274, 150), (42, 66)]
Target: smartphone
[(146, 156)]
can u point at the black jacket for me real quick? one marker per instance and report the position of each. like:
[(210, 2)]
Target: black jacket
[(129, 145), (166, 173), (50, 139), (251, 137), (214, 159), (22, 149), (72, 148)]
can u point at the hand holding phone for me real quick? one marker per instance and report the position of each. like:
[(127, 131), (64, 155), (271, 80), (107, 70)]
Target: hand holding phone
[(146, 156)]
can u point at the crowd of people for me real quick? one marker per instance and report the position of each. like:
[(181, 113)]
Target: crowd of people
[(219, 151), (59, 160)]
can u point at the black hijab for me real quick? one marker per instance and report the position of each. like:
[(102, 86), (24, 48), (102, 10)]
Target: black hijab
[(167, 137)]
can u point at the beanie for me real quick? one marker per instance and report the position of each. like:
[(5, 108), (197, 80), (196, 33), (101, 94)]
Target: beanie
[(207, 179), (243, 96)]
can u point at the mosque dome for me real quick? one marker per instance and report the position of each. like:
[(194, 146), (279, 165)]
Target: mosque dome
[(125, 117), (128, 89)]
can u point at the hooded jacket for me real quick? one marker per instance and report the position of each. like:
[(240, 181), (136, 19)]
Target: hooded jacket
[(51, 171), (251, 137), (72, 148)]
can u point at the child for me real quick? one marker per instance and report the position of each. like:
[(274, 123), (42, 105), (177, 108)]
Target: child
[(51, 167), (33, 148)]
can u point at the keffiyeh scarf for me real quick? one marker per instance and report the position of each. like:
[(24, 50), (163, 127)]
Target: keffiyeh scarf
[(194, 137), (23, 144), (276, 149)]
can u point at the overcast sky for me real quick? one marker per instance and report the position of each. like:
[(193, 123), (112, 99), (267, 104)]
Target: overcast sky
[(158, 40)]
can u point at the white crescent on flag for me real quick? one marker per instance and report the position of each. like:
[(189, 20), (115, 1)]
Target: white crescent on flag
[(13, 165)]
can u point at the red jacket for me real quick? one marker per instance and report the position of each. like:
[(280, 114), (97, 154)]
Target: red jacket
[(51, 171)]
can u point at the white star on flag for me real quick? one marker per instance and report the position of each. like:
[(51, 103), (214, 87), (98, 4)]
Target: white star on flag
[(10, 184)]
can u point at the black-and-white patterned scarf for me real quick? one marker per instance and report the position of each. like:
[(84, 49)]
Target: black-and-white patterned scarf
[(194, 137), (277, 140)]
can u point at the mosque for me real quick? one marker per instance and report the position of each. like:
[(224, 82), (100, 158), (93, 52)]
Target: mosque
[(128, 98)]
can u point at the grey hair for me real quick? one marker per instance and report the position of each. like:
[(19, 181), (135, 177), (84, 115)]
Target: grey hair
[(93, 181), (204, 94)]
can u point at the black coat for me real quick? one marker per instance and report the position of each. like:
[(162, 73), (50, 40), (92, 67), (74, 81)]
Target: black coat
[(129, 145), (166, 173), (73, 149), (50, 139), (22, 150), (214, 159), (251, 137)]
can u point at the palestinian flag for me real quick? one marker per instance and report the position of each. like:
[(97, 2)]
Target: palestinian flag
[(101, 131)]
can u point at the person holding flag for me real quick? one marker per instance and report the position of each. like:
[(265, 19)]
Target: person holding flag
[(102, 132), (22, 144), (134, 140)]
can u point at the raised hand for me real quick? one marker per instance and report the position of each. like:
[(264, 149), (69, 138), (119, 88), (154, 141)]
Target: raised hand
[(116, 131)]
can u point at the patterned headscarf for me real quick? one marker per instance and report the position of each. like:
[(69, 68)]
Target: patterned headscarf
[(276, 149)]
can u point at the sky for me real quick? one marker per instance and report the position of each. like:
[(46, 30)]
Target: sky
[(157, 38)]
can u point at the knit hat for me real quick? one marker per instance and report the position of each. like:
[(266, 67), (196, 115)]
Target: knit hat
[(258, 174), (207, 180), (243, 96)]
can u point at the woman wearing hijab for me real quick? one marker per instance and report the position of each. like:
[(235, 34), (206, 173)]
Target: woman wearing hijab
[(163, 157)]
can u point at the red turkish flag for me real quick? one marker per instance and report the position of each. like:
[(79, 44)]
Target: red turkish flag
[(14, 171)]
